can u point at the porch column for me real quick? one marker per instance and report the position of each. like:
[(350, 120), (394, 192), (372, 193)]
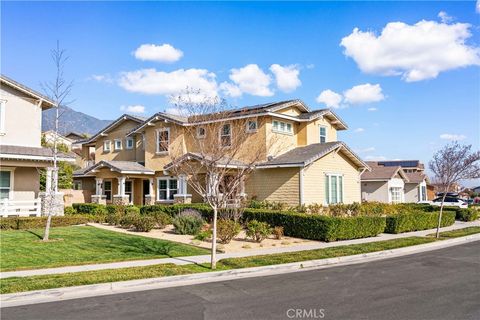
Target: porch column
[(121, 186), (182, 196), (120, 198), (151, 185), (150, 197), (48, 180), (98, 186)]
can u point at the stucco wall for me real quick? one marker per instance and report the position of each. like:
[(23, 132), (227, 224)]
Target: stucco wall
[(375, 191), (23, 119), (118, 132), (26, 183), (411, 192)]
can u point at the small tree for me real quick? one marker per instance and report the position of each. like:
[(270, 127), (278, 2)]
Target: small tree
[(452, 164), (218, 162), (58, 91)]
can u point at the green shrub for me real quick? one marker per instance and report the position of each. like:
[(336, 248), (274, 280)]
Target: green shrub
[(173, 210), (227, 230), (132, 209), (257, 230), (128, 220), (22, 223), (188, 222), (161, 219), (466, 214), (143, 223), (278, 232), (417, 220), (69, 211), (88, 208), (115, 215), (204, 235)]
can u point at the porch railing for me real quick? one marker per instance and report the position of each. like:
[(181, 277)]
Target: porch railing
[(20, 208)]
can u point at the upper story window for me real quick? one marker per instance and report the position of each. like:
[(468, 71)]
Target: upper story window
[(333, 188), (163, 139), (252, 126), (323, 134), (201, 133), (106, 146), (118, 144), (226, 135), (129, 143), (2, 116), (282, 127)]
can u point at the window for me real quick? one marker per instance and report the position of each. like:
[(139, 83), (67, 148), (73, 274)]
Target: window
[(422, 190), (163, 139), (226, 135), (107, 189), (2, 116), (167, 188), (106, 146), (396, 194), (252, 126), (201, 132), (5, 184), (282, 127), (129, 190), (323, 134), (77, 184), (129, 143), (118, 144), (333, 188)]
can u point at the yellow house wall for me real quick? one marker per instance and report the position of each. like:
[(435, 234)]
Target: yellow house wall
[(118, 132), (313, 131), (278, 143), (156, 161), (280, 185), (314, 178)]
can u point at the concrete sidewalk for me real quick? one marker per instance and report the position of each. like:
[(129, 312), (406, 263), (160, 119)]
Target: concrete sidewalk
[(247, 253)]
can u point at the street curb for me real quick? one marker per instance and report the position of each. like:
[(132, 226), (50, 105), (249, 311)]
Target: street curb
[(61, 294)]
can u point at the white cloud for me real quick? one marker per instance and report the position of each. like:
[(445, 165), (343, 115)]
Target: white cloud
[(161, 53), (286, 77), (101, 78), (252, 80), (416, 52), (444, 17), (366, 150), (330, 98), (372, 109), (375, 158), (359, 130), (133, 109), (477, 6), (231, 90), (151, 81), (311, 65), (452, 137), (364, 93)]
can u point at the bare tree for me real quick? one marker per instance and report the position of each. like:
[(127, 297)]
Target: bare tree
[(222, 152), (452, 164), (58, 91)]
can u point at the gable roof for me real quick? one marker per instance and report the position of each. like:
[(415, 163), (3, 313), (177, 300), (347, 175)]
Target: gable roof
[(303, 156), (32, 153), (416, 177), (125, 167), (112, 125), (250, 111), (46, 102), (382, 173)]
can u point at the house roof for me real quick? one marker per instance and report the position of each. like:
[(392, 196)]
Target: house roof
[(416, 177), (74, 134), (125, 167), (380, 172), (303, 156), (112, 125), (249, 111), (47, 103), (32, 153), (223, 161), (402, 163)]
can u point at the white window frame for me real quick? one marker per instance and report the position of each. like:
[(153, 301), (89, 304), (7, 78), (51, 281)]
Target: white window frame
[(105, 189), (131, 192), (107, 143), (392, 198), (3, 110), (115, 144), (201, 136), (250, 130), (282, 126), (127, 141), (340, 191), (223, 135), (167, 179), (12, 180), (320, 127), (158, 131)]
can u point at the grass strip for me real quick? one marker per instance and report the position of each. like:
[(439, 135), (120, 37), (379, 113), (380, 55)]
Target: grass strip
[(457, 233), (19, 284)]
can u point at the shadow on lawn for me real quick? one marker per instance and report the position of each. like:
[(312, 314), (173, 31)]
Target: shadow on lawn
[(36, 234)]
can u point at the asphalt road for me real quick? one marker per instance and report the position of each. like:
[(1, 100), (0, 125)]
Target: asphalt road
[(442, 284)]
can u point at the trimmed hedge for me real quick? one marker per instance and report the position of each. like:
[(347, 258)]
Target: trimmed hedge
[(89, 208), (415, 221), (173, 210), (21, 223), (466, 214), (317, 227)]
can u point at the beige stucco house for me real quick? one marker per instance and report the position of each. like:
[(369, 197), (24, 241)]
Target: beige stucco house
[(21, 154), (394, 182), (306, 164)]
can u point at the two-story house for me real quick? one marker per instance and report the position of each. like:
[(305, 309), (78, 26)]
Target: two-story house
[(305, 165), (21, 154), (395, 181)]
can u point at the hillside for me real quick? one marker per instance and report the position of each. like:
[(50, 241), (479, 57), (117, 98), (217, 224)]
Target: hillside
[(71, 120)]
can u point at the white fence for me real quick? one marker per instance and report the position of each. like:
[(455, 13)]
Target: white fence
[(20, 208)]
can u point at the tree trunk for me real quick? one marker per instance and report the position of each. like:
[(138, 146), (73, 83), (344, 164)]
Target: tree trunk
[(47, 228), (440, 216), (214, 239)]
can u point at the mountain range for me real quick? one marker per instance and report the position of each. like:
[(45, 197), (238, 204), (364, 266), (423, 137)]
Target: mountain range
[(72, 121)]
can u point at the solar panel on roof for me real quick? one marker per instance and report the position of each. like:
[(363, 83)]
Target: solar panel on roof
[(406, 163)]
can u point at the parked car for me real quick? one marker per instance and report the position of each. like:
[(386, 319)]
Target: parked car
[(450, 201)]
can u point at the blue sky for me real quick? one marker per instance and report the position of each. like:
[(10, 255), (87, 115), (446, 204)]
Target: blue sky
[(423, 80)]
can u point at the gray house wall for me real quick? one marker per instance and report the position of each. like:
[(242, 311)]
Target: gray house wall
[(375, 191)]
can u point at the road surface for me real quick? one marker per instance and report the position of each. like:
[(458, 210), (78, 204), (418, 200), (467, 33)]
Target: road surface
[(441, 284)]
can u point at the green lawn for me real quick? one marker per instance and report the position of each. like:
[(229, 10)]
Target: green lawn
[(10, 285), (77, 245), (457, 233)]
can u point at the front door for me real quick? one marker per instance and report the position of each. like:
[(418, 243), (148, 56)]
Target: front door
[(146, 189), (129, 190)]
